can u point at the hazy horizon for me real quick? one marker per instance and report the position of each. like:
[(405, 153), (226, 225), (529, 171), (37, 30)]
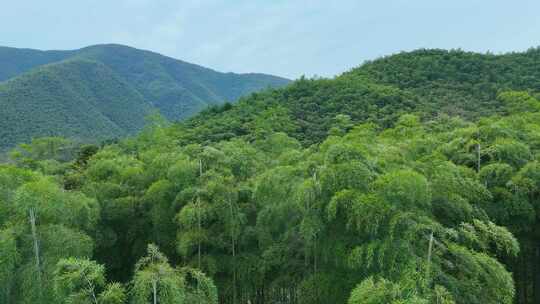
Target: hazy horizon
[(283, 38)]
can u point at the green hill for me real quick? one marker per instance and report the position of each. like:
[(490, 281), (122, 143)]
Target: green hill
[(456, 82), (79, 99), (105, 91), (426, 82)]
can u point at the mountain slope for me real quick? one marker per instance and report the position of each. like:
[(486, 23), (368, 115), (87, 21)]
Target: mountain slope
[(427, 82), (456, 82), (79, 99), (14, 61), (179, 89), (104, 91), (305, 110)]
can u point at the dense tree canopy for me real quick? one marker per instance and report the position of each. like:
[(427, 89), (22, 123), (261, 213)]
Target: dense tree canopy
[(329, 191)]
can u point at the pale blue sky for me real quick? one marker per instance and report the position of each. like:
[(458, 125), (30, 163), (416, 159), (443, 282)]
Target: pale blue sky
[(281, 37)]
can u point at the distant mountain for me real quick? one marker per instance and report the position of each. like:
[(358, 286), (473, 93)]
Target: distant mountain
[(14, 62), (104, 91)]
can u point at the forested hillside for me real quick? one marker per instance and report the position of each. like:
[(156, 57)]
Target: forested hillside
[(456, 82), (347, 190), (426, 82), (102, 92), (17, 61), (79, 99), (178, 89)]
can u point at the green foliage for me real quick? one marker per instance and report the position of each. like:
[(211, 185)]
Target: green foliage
[(519, 102), (199, 287), (155, 279), (455, 82), (83, 281), (383, 291), (489, 237), (406, 189), (9, 258), (44, 225), (305, 110), (113, 294)]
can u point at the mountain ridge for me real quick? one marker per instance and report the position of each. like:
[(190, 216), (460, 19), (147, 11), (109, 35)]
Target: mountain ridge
[(55, 55), (176, 88)]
